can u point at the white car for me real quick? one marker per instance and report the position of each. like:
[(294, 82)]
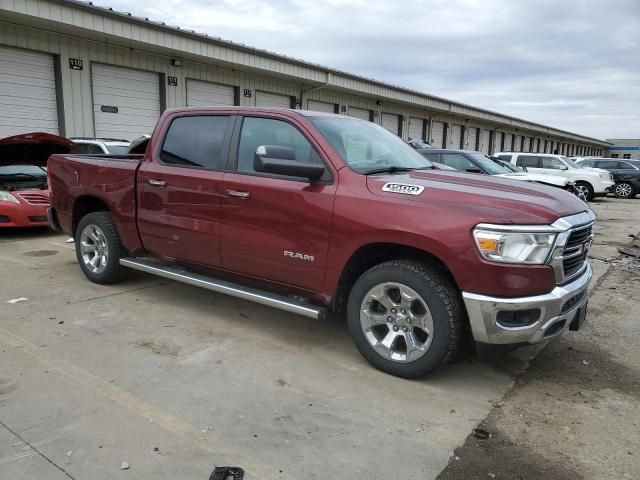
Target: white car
[(592, 182), (101, 146)]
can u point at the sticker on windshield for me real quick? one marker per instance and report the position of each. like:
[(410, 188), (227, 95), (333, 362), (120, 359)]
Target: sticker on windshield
[(404, 188)]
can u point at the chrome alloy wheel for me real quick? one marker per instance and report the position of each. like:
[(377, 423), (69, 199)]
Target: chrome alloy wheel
[(94, 249), (623, 190), (584, 190), (396, 322)]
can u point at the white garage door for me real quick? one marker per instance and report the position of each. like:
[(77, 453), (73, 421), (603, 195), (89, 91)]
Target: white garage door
[(497, 142), (472, 135), (437, 134), (317, 106), (391, 122), (484, 140), (27, 93), (204, 94), (455, 136), (507, 142), (360, 113), (126, 102), (272, 100), (415, 128), (527, 144)]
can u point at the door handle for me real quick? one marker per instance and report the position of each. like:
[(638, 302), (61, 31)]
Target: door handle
[(238, 194), (157, 183)]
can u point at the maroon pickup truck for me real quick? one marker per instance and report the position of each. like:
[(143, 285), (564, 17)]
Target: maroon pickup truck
[(311, 212)]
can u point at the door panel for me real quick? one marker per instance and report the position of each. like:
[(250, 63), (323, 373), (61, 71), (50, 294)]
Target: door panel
[(391, 122), (179, 192), (278, 229)]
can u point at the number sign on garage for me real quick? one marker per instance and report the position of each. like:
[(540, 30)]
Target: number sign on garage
[(272, 100), (201, 94), (28, 99), (126, 102)]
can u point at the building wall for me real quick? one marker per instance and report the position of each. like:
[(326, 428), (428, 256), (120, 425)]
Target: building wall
[(76, 105), (624, 148)]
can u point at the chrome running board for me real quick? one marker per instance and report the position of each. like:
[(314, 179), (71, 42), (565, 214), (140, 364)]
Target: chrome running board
[(235, 290)]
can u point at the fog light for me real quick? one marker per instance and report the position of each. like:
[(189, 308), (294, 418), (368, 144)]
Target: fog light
[(518, 318)]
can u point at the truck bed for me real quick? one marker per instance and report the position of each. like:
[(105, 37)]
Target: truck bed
[(110, 179)]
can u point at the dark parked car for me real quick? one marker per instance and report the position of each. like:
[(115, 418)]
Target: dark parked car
[(626, 174)]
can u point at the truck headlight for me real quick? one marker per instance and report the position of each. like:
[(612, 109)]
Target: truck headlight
[(7, 197), (514, 247)]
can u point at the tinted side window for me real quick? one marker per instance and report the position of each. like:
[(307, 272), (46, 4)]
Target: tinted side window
[(267, 131), (529, 161), (626, 166), (506, 158), (551, 162), (459, 162), (608, 164), (195, 142), (434, 157), (587, 163)]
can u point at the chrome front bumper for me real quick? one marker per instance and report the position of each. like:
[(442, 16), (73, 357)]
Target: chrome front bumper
[(559, 309)]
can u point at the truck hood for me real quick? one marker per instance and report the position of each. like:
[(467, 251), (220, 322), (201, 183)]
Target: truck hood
[(33, 149), (554, 180), (494, 199)]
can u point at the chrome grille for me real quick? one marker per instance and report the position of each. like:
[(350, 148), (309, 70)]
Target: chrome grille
[(35, 198), (576, 250)]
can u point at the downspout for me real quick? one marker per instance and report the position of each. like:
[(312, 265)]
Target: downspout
[(318, 87)]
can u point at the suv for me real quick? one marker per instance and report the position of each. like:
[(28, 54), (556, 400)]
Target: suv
[(592, 182), (626, 174), (101, 146)]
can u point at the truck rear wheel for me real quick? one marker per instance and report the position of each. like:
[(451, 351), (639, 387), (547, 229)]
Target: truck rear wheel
[(98, 248), (405, 318)]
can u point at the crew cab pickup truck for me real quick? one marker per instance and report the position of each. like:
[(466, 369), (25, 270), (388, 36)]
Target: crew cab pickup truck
[(312, 212)]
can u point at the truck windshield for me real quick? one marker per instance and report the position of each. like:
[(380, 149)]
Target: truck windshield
[(366, 147)]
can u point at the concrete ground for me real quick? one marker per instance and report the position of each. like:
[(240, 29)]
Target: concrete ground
[(574, 413), (174, 380)]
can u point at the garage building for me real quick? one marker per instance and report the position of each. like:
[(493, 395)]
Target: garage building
[(76, 69)]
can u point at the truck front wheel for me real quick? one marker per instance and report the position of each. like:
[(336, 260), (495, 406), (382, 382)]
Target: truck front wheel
[(98, 248), (405, 318)]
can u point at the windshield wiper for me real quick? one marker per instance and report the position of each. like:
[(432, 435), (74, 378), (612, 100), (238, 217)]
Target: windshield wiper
[(395, 170)]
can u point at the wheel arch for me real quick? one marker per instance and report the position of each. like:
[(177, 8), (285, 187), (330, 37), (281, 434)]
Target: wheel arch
[(84, 205), (372, 254)]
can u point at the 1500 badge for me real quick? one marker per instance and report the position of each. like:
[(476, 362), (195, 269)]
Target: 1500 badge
[(404, 188)]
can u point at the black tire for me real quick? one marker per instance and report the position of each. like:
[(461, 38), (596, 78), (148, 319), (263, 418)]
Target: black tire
[(112, 271), (440, 296), (625, 190), (588, 189)]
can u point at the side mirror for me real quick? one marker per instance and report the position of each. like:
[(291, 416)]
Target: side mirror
[(563, 167), (282, 161)]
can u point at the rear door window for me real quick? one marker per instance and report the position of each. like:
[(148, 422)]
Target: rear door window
[(587, 163), (529, 161), (196, 141), (608, 164)]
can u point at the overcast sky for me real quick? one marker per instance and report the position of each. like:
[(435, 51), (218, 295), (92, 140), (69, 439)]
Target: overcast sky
[(570, 64)]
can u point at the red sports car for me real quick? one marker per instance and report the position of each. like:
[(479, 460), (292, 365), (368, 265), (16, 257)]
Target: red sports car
[(24, 193)]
